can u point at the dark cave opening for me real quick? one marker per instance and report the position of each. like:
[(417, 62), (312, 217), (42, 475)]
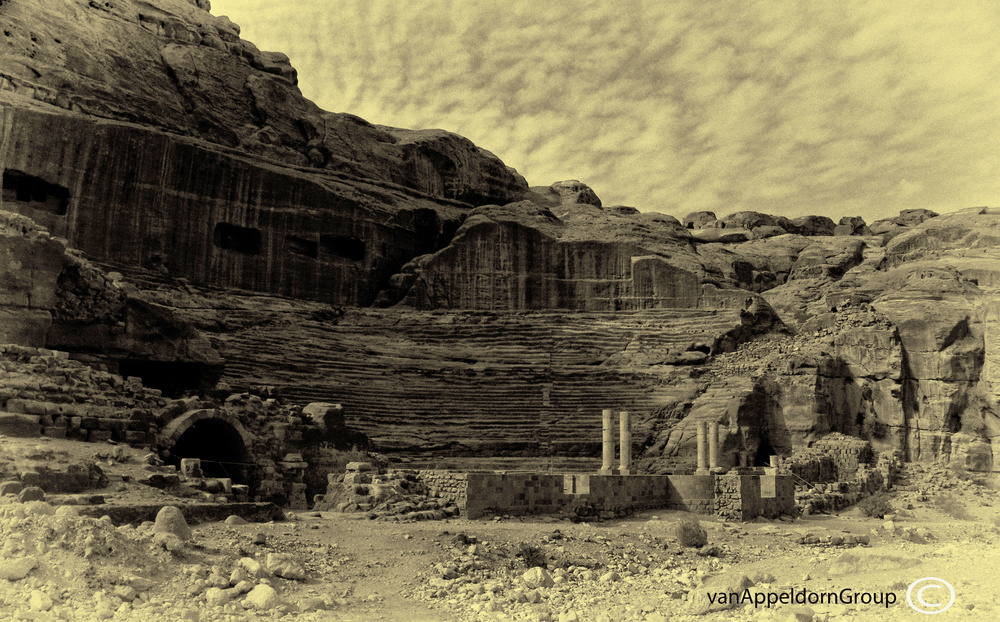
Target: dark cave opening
[(342, 246), (220, 448), (764, 452), (35, 191), (171, 377)]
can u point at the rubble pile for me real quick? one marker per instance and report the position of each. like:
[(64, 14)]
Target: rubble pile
[(63, 566), (44, 392), (396, 494)]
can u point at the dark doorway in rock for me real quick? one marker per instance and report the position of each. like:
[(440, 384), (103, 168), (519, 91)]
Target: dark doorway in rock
[(220, 448), (764, 452), (171, 377)]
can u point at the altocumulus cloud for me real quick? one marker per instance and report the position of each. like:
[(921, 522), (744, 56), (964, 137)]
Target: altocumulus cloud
[(796, 107)]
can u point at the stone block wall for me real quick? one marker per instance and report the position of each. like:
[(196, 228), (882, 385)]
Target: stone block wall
[(606, 496), (43, 392), (516, 493), (743, 494), (846, 452), (450, 485), (692, 493)]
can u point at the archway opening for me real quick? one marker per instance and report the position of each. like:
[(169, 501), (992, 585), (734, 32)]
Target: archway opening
[(220, 448)]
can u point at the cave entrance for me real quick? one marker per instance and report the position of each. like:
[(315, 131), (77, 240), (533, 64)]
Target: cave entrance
[(221, 448), (173, 378), (764, 452)]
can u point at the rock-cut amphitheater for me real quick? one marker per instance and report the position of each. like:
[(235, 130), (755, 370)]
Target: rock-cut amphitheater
[(197, 260)]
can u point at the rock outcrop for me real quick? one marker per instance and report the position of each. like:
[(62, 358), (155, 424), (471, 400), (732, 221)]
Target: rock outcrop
[(52, 297)]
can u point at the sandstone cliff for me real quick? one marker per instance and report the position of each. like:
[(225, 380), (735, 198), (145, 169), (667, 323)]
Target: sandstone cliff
[(151, 134), (414, 277)]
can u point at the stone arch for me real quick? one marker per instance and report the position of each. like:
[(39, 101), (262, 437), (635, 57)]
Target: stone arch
[(216, 438)]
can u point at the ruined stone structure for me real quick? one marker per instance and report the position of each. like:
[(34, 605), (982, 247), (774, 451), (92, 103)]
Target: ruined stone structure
[(742, 495)]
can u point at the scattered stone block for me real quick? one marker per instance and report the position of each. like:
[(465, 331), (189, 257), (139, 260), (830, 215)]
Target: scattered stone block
[(262, 597), (537, 577), (191, 468), (11, 487), (285, 566), (31, 493), (39, 601)]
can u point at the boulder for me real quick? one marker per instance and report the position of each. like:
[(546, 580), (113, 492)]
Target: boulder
[(170, 520), (811, 225), (537, 577), (699, 220), (326, 415)]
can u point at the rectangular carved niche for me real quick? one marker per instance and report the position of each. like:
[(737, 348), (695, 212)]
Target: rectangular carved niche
[(35, 192), (244, 240), (342, 246)]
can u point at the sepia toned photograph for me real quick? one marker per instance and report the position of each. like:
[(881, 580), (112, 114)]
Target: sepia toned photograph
[(499, 311)]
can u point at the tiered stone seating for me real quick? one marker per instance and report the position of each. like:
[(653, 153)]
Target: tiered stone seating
[(493, 382)]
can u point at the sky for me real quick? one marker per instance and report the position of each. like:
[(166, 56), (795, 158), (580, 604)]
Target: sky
[(839, 108)]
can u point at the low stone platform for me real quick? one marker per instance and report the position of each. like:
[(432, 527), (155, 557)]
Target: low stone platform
[(194, 513), (742, 494)]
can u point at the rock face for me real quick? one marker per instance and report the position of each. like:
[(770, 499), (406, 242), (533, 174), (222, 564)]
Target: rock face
[(153, 167), (51, 297)]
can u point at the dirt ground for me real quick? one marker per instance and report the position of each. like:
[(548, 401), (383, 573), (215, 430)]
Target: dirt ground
[(354, 569)]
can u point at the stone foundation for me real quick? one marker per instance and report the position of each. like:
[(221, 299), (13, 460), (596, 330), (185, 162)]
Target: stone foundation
[(478, 494)]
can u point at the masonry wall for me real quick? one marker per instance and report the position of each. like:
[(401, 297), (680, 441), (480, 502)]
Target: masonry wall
[(743, 494), (606, 496)]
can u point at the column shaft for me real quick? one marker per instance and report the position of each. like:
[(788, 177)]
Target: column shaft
[(702, 441), (625, 440), (713, 445), (608, 462)]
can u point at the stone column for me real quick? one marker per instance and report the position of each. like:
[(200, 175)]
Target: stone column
[(625, 440), (608, 463), (774, 462), (702, 454), (713, 445)]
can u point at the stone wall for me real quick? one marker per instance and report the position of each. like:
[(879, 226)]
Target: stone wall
[(43, 392), (609, 496), (831, 497), (30, 263), (848, 453), (745, 493)]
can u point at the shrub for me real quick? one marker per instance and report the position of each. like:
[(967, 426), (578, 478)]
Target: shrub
[(531, 555), (690, 533), (950, 505), (876, 506)]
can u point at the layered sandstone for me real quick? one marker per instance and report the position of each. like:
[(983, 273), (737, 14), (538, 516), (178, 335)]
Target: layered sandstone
[(414, 278)]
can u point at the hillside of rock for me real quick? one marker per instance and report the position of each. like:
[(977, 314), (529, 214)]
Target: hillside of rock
[(175, 209)]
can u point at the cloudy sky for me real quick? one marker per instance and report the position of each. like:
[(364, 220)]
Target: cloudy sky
[(847, 107)]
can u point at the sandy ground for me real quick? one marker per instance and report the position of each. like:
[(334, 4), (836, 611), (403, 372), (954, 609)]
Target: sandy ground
[(635, 569)]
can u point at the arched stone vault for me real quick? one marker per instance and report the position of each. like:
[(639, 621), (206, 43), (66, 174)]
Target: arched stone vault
[(172, 432)]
